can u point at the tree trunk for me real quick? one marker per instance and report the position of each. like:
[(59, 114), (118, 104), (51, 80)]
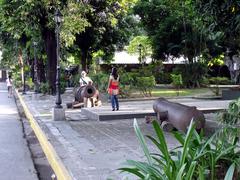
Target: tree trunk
[(50, 45), (20, 62), (190, 58), (41, 71), (84, 59)]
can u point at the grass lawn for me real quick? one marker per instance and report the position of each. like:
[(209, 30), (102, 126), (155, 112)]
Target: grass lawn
[(173, 93)]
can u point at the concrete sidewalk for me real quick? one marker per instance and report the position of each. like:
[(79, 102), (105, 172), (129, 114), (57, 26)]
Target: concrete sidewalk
[(15, 157), (90, 149)]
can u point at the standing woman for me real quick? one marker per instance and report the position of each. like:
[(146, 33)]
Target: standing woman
[(113, 88), (9, 85)]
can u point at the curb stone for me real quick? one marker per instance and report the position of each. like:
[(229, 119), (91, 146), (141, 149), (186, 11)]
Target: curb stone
[(54, 160)]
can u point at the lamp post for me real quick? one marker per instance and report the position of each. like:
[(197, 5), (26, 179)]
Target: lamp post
[(36, 85), (58, 20), (58, 111)]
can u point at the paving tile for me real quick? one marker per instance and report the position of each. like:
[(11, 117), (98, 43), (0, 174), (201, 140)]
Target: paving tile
[(93, 149)]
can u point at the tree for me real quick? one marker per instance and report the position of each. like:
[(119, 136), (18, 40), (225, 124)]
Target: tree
[(109, 30), (222, 17), (140, 45), (89, 25), (173, 28), (34, 20), (12, 34)]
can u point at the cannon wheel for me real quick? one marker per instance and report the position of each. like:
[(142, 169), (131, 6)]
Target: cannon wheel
[(167, 126)]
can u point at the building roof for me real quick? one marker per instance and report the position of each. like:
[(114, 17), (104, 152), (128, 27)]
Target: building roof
[(124, 58)]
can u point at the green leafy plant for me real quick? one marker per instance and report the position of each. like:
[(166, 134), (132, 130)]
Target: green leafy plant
[(145, 85), (62, 82), (177, 81), (29, 83), (145, 48), (163, 165), (75, 80), (44, 88), (17, 81), (127, 82), (100, 80), (219, 80), (163, 78), (218, 60), (231, 115), (195, 158), (192, 73)]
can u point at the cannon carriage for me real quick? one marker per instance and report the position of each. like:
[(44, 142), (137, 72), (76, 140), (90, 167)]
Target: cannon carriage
[(89, 92)]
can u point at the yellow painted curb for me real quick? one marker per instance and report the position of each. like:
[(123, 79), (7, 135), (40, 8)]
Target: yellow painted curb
[(53, 159)]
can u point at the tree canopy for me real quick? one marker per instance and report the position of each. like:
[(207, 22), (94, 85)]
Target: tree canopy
[(98, 28), (223, 19), (88, 26), (190, 28)]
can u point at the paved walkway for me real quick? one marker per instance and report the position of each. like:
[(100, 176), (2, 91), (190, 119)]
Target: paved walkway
[(15, 158), (145, 108), (93, 150)]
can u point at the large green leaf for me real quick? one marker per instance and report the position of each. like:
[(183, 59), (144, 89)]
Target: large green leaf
[(181, 172), (161, 148), (145, 168), (142, 141), (134, 171), (230, 172), (186, 149), (179, 137), (191, 170), (162, 141), (201, 173)]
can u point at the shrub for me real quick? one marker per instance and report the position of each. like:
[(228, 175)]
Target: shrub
[(75, 80), (192, 74), (231, 116), (204, 82), (163, 78), (127, 83), (154, 68), (63, 82), (100, 81), (44, 88), (145, 85), (177, 81), (17, 81), (195, 158), (29, 83), (219, 80)]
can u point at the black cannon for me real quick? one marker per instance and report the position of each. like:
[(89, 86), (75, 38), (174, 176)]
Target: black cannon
[(88, 91), (176, 115)]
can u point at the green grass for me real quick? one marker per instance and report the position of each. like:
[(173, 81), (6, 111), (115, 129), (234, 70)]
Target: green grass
[(182, 92), (173, 93)]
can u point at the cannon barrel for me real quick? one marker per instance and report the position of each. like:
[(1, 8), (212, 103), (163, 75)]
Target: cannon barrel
[(84, 91), (177, 114)]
